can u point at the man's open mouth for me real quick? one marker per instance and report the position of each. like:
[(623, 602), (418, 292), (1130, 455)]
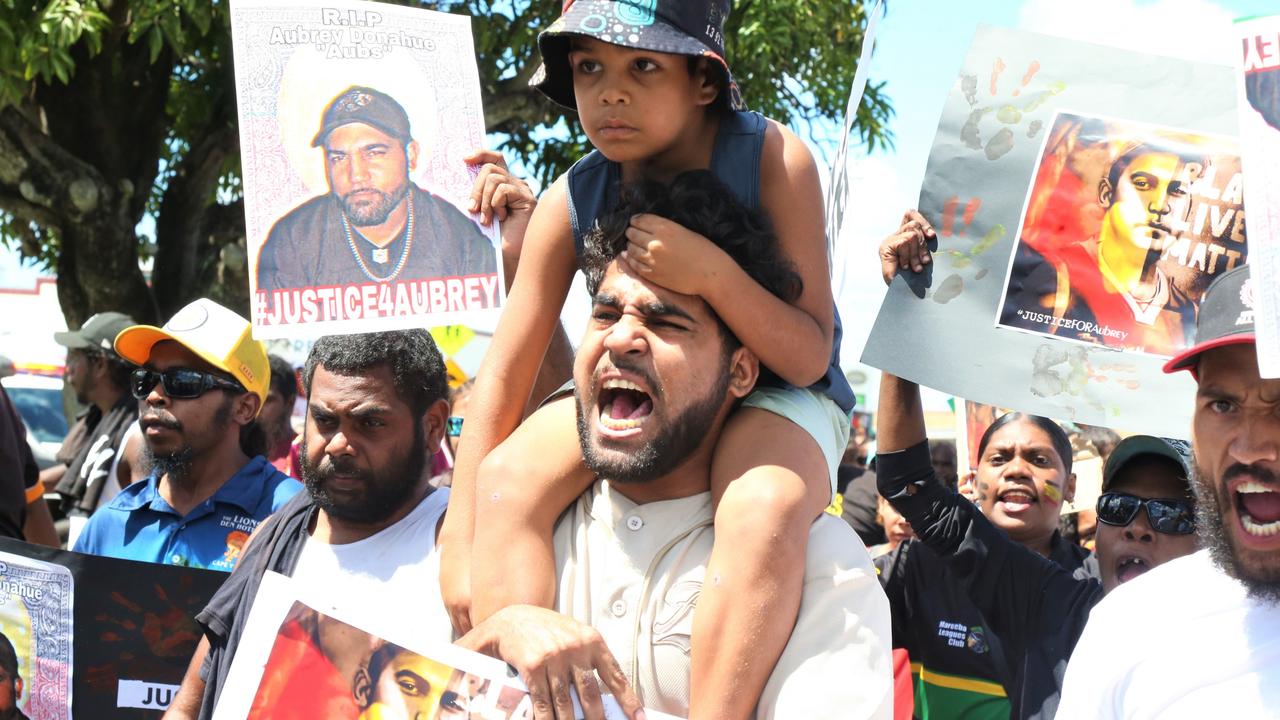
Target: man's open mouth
[(1259, 508), (624, 406), (1017, 499), (1130, 567)]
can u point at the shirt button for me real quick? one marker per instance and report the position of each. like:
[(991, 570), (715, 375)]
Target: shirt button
[(618, 608), (635, 522)]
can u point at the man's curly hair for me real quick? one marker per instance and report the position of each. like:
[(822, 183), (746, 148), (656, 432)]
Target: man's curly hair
[(698, 201)]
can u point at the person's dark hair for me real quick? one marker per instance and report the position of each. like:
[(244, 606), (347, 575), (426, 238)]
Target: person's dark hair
[(1104, 440), (119, 370), (698, 201), (8, 656), (283, 378), (415, 363), (1057, 436)]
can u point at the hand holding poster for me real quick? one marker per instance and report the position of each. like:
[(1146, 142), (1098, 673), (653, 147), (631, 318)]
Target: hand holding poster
[(295, 661), (354, 119), (1259, 89), (1084, 197)]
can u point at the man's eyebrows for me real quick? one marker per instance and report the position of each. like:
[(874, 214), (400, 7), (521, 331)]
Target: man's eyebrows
[(655, 308)]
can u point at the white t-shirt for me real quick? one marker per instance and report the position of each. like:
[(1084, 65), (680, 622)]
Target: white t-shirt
[(634, 573), (390, 580), (1183, 641)]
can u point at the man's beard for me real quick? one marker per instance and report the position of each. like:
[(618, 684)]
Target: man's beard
[(673, 444), (376, 213), (1218, 539), (386, 488), (176, 464)]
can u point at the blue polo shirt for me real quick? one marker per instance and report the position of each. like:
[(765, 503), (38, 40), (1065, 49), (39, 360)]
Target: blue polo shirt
[(139, 525)]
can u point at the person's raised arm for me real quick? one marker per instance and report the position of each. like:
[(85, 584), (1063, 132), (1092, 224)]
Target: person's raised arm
[(505, 378)]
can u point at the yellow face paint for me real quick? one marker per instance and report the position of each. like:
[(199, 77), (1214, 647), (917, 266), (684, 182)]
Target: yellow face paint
[(1053, 492)]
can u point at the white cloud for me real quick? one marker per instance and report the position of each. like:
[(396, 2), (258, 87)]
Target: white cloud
[(1189, 29)]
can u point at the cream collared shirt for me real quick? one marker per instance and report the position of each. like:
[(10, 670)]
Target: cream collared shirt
[(634, 573)]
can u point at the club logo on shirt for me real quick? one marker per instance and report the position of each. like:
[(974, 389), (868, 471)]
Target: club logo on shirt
[(960, 635)]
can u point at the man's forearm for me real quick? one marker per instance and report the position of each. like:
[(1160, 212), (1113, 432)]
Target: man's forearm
[(900, 418), (186, 702), (38, 527)]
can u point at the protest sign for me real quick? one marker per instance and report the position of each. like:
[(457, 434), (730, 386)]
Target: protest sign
[(1028, 112), (98, 637), (1259, 93), (355, 118), (1124, 227), (838, 187), (297, 661)]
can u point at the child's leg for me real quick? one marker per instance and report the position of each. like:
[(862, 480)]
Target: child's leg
[(522, 488), (770, 480)]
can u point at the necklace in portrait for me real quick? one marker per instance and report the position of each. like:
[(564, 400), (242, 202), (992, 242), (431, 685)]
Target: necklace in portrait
[(380, 255)]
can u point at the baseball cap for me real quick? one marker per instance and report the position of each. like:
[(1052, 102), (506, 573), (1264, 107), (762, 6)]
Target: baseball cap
[(1137, 445), (677, 27), (358, 104), (1226, 318), (98, 332), (219, 336)]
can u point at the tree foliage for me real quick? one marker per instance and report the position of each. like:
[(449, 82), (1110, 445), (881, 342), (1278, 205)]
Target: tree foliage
[(112, 111)]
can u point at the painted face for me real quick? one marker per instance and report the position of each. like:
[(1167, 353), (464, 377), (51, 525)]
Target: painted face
[(1127, 552), (1021, 482), (1236, 435), (363, 450), (634, 104), (178, 428), (1140, 201), (368, 171), (652, 374)]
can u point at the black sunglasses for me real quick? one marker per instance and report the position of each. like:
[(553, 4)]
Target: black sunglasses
[(1166, 515), (179, 383)]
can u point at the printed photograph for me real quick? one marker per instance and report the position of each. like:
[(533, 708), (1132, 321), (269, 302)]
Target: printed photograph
[(1124, 227), (354, 135)]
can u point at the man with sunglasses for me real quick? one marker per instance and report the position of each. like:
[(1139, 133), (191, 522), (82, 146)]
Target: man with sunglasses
[(1206, 627), (202, 382)]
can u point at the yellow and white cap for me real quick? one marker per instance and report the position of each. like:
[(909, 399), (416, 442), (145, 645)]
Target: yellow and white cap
[(218, 335)]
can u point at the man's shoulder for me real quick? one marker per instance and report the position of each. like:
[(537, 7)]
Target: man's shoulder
[(301, 220), (1171, 591), (834, 548), (277, 487)]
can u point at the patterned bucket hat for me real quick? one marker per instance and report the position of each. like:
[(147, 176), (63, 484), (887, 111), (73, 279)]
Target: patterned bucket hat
[(677, 27)]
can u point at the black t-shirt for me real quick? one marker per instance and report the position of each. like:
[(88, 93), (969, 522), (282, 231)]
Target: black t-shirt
[(18, 470), (309, 247)]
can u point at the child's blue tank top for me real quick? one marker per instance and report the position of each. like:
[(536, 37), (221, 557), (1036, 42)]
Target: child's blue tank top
[(595, 185)]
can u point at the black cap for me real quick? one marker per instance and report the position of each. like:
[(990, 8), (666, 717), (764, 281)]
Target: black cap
[(359, 104), (1226, 318), (677, 27), (1136, 446), (98, 333)]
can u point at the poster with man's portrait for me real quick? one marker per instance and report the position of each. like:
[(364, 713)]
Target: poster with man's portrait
[(1258, 89), (355, 119), (35, 639), (1124, 226), (1083, 196)]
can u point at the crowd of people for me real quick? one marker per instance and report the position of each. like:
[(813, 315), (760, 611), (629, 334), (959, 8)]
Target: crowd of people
[(661, 527)]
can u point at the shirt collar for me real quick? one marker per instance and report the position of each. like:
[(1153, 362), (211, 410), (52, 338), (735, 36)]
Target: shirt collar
[(243, 490)]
